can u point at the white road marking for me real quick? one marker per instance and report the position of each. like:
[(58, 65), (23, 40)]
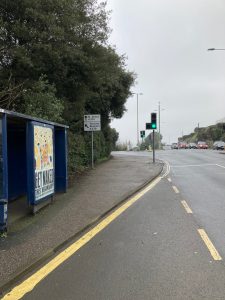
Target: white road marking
[(167, 169), (220, 166), (202, 165), (169, 179)]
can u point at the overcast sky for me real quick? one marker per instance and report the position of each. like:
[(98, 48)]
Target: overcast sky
[(166, 43)]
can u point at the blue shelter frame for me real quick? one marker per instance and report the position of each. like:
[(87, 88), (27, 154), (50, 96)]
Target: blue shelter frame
[(33, 161)]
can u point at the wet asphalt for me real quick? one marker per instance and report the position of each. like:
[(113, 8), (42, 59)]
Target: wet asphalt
[(153, 250), (200, 177)]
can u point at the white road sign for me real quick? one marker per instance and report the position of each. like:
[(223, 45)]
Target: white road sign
[(92, 122)]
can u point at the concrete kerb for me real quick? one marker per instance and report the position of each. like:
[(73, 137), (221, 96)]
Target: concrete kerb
[(17, 277)]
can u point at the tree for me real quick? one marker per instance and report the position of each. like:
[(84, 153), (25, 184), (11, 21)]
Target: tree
[(56, 63), (149, 140), (41, 101)]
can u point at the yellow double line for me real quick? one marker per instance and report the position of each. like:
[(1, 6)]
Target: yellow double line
[(28, 285)]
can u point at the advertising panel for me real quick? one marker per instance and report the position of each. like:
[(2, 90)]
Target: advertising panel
[(44, 161)]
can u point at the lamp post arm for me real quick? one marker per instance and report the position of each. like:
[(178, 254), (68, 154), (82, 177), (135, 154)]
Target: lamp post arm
[(215, 49)]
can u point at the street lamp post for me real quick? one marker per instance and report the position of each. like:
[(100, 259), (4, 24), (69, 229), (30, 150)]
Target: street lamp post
[(137, 94), (159, 122)]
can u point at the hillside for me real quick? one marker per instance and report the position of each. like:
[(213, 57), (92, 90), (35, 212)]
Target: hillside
[(208, 134)]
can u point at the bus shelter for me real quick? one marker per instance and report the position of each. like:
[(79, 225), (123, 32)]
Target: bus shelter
[(33, 161)]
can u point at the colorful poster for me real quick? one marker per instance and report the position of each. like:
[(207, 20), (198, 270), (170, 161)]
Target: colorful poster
[(44, 166)]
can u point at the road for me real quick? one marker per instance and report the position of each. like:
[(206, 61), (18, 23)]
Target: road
[(157, 247), (200, 177)]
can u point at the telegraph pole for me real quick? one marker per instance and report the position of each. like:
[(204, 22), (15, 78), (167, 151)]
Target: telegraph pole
[(159, 109), (159, 122)]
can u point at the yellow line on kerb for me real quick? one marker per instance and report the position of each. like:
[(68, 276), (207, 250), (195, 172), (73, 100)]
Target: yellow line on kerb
[(28, 285), (209, 244), (187, 208)]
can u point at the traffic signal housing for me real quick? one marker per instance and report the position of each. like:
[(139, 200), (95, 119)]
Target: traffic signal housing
[(153, 121), (142, 133), (148, 126)]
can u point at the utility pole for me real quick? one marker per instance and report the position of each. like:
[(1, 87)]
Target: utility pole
[(159, 122), (159, 109)]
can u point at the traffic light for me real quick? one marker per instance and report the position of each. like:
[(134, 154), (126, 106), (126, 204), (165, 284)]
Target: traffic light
[(153, 120), (142, 133), (148, 126)]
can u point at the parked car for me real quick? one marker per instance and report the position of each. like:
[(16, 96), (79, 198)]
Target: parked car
[(219, 145), (202, 145), (182, 145), (215, 143), (174, 146), (192, 146)]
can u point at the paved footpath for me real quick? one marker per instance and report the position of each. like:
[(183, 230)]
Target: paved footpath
[(93, 194)]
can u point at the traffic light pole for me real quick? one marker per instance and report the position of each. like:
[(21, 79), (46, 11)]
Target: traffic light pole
[(153, 146), (153, 126)]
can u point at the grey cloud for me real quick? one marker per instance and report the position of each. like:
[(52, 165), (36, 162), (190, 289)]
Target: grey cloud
[(166, 42)]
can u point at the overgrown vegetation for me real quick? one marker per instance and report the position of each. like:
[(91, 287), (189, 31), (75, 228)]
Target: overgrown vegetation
[(121, 147), (56, 63)]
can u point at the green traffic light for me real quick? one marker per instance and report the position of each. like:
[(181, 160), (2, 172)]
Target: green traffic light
[(153, 126)]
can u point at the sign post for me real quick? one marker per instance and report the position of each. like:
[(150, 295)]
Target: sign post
[(92, 123), (92, 149)]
